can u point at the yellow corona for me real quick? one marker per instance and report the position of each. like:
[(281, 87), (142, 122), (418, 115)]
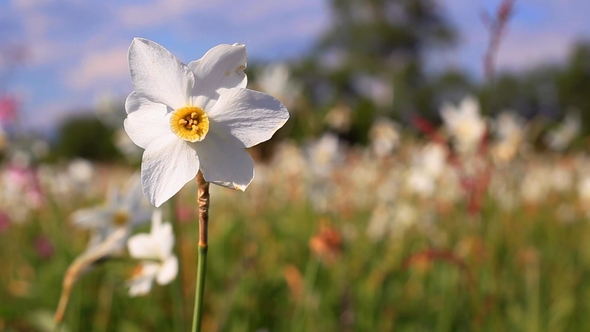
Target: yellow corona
[(190, 123)]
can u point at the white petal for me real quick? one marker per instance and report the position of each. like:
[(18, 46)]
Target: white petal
[(222, 67), (167, 165), (146, 120), (159, 75), (135, 203), (142, 283), (156, 219), (92, 218), (143, 246), (250, 116), (164, 238), (225, 162), (469, 106), (140, 286), (168, 271)]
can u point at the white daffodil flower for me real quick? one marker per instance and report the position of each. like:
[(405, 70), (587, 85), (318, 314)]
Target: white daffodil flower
[(276, 80), (560, 138), (195, 117), (465, 124), (122, 212), (384, 137), (155, 249), (509, 128)]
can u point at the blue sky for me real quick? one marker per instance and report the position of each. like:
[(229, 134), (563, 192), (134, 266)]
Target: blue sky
[(77, 49)]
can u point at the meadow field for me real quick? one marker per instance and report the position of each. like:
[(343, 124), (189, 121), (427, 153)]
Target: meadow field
[(374, 165), (327, 237)]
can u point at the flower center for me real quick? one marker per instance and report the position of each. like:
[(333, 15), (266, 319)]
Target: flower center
[(120, 218), (190, 123)]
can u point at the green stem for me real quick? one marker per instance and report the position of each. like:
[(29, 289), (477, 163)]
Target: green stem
[(203, 203), (200, 289)]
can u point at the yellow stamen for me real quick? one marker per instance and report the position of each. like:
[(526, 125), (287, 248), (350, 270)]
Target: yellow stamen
[(190, 123), (120, 218)]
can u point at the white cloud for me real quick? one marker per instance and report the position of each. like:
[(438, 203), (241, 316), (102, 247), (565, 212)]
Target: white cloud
[(524, 50), (99, 67), (160, 12)]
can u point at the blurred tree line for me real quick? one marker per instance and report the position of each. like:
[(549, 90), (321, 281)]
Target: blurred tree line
[(387, 41), (86, 137), (372, 63)]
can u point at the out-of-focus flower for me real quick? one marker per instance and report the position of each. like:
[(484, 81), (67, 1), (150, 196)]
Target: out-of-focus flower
[(20, 193), (155, 249), (535, 187), (384, 136), (339, 118), (377, 89), (566, 132), (122, 212), (393, 220), (326, 244), (126, 146), (275, 79), (465, 124), (195, 117), (324, 154), (584, 190), (561, 178), (8, 109), (111, 225), (380, 221), (81, 171), (433, 159), (428, 165), (43, 247), (294, 280), (420, 182), (509, 130)]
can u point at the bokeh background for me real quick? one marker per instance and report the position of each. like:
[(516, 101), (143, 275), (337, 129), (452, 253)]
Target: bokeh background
[(434, 174)]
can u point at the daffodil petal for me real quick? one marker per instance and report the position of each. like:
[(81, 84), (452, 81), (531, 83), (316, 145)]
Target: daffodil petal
[(158, 75), (250, 116), (164, 238), (222, 67), (140, 286), (168, 163), (142, 246), (225, 162), (92, 217), (146, 120), (168, 271)]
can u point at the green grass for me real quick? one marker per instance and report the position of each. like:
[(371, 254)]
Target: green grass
[(498, 271)]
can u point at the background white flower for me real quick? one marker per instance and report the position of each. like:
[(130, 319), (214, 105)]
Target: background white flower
[(562, 136), (465, 124), (195, 117), (156, 249), (123, 211)]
